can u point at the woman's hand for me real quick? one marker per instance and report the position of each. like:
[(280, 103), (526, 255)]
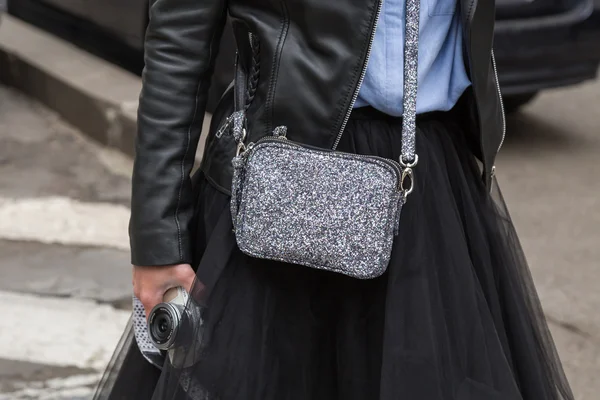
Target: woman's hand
[(151, 283)]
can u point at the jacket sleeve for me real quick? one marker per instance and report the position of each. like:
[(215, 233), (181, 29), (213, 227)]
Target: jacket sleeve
[(181, 44)]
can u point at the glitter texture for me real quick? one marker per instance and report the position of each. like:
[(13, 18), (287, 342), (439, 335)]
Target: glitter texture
[(142, 336), (327, 210), (237, 182), (411, 62), (239, 121), (280, 131)]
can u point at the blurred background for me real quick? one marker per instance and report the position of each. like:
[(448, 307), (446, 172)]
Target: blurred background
[(69, 82)]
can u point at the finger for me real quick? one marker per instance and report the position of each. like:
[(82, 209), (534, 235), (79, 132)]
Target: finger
[(189, 279), (149, 300), (188, 283), (186, 277)]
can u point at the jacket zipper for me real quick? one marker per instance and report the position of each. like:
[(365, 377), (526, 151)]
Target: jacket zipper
[(501, 103), (395, 165), (493, 170), (362, 76), (224, 127)]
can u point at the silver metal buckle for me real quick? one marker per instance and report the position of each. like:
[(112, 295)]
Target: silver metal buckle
[(407, 173), (411, 164)]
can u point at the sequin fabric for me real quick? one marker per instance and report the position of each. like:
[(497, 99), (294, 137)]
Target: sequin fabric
[(280, 131), (237, 183), (238, 120), (411, 62), (327, 210), (142, 337)]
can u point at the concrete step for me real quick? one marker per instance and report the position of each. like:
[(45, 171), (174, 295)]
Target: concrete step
[(93, 95)]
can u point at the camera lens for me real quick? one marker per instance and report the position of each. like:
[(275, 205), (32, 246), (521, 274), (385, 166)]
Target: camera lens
[(162, 326), (163, 323)]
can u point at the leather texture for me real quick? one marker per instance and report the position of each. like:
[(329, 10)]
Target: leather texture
[(181, 44), (305, 60)]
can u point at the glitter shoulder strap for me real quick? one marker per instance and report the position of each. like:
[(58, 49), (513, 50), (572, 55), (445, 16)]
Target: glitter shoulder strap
[(409, 157)]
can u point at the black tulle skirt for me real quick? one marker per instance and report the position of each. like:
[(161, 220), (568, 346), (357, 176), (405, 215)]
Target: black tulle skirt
[(456, 315)]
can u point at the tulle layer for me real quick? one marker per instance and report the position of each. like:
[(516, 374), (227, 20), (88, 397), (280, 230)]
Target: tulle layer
[(455, 317)]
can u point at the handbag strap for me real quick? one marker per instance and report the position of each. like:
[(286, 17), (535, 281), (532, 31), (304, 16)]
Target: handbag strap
[(409, 157)]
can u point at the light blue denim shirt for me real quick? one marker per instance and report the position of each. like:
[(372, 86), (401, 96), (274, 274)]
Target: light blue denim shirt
[(442, 75)]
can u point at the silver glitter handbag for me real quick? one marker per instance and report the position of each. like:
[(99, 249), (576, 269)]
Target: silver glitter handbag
[(322, 208)]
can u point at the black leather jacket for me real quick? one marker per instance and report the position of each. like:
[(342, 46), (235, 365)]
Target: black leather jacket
[(304, 60)]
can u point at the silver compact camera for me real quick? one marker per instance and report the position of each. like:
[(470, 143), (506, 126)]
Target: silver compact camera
[(168, 319), (175, 327)]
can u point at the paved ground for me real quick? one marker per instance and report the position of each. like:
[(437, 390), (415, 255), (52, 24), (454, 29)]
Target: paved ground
[(549, 172), (64, 275), (63, 244)]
